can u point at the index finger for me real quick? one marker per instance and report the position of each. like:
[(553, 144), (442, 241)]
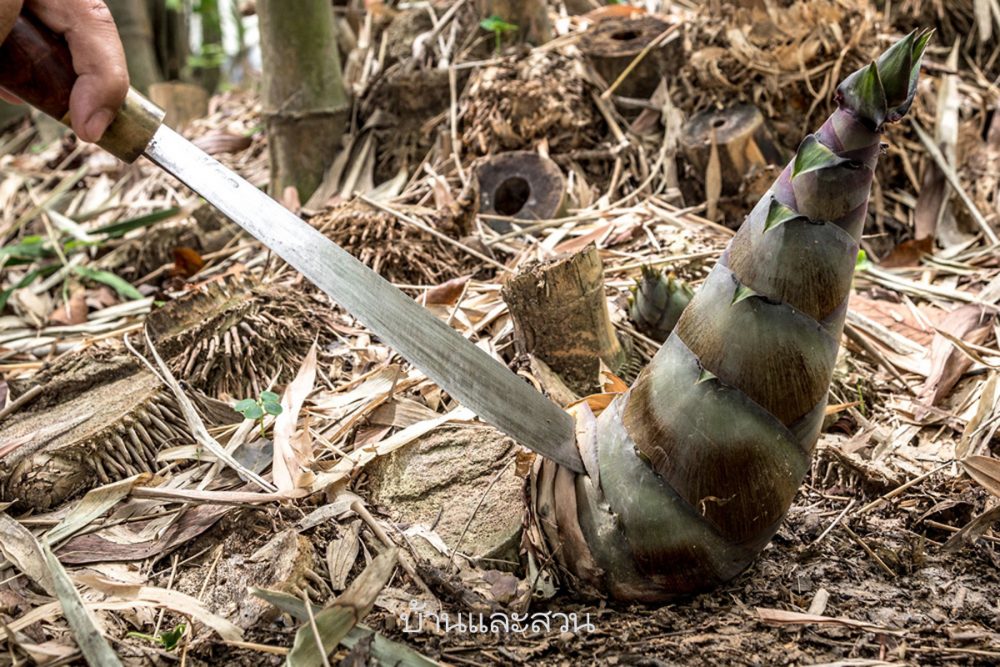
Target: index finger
[(98, 58)]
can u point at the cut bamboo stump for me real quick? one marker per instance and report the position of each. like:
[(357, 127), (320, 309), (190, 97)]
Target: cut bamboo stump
[(742, 139), (522, 185), (182, 102), (561, 316), (610, 46)]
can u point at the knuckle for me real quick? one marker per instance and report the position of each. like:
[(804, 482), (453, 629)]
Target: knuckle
[(99, 11)]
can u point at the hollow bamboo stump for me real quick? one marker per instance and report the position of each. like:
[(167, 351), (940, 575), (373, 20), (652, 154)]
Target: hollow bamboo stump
[(522, 185), (561, 316), (611, 45), (742, 138)]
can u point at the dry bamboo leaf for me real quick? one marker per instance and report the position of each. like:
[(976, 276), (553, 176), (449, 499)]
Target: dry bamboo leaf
[(96, 650), (985, 470), (340, 508), (20, 547), (385, 650), (948, 363), (341, 554), (45, 652), (973, 530), (293, 457), (94, 548), (94, 504), (219, 497), (333, 623), (782, 617), (713, 181), (169, 599), (361, 457), (984, 19), (578, 243), (986, 405)]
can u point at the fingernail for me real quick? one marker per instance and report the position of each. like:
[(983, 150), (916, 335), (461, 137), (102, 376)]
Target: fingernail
[(97, 123)]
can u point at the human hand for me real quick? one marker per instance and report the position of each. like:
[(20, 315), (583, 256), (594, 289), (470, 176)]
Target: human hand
[(98, 57)]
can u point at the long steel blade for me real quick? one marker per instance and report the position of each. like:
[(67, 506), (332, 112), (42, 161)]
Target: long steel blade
[(477, 380)]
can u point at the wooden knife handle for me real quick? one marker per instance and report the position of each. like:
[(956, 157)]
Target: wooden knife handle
[(36, 65)]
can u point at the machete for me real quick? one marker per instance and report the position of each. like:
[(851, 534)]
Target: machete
[(37, 67)]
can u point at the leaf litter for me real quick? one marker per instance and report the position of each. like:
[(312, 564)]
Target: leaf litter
[(888, 554)]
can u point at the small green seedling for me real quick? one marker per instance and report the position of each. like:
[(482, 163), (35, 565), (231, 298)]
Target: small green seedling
[(268, 403), (498, 27), (167, 640), (862, 263)]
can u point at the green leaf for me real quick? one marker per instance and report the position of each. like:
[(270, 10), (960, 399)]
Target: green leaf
[(742, 293), (244, 405), (705, 376), (142, 635), (868, 95), (269, 397), (273, 408), (28, 278), (497, 25), (778, 214), (813, 155), (120, 285), (171, 638), (118, 229), (30, 248), (894, 66), (253, 412), (862, 262)]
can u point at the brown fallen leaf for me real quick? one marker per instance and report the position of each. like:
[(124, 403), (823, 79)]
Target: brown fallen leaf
[(596, 402), (447, 293), (93, 548), (580, 242), (613, 12), (187, 262), (968, 323), (908, 253), (72, 311), (898, 318), (782, 617), (985, 470), (221, 141)]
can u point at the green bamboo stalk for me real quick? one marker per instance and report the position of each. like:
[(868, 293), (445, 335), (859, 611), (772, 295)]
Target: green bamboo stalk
[(698, 463)]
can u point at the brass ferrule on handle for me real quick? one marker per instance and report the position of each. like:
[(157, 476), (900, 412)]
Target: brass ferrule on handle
[(36, 65), (133, 127)]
